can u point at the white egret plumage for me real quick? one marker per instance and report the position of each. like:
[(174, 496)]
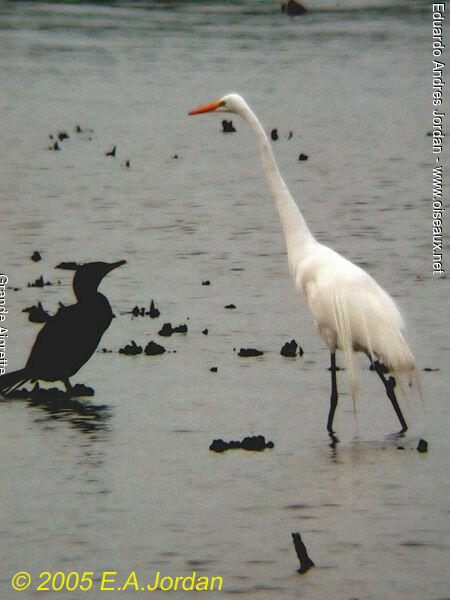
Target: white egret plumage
[(351, 312)]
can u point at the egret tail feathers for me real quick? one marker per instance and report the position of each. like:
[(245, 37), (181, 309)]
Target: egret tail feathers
[(375, 332)]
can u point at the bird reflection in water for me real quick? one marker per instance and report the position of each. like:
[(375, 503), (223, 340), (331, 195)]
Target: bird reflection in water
[(73, 408)]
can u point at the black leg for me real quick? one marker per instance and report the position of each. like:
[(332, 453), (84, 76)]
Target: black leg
[(334, 393), (389, 385)]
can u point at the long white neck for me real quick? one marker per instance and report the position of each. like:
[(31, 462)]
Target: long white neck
[(297, 234)]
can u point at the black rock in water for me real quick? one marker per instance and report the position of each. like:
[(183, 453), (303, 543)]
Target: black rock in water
[(39, 283), (153, 312), (422, 446), (167, 329), (79, 389), (255, 443), (138, 312), (219, 446), (246, 352), (68, 266), (153, 349), (290, 349), (293, 8), (131, 349), (36, 257), (111, 152), (303, 157), (228, 127), (274, 135)]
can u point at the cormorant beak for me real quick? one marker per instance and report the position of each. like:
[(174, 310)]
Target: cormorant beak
[(113, 266), (207, 108)]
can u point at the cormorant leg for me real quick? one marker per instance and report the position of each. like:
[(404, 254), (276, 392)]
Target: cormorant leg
[(389, 384), (68, 385), (334, 393)]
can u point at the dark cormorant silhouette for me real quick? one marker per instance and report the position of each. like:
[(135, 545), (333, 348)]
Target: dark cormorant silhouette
[(69, 338)]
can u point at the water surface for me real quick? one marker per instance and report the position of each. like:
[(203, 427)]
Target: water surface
[(132, 486)]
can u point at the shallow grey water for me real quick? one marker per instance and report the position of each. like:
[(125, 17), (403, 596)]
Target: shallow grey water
[(132, 486)]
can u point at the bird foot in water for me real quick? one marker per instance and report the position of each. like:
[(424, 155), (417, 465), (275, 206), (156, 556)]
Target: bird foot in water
[(334, 439), (396, 435)]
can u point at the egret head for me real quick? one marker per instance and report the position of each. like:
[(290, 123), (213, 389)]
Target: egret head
[(231, 103)]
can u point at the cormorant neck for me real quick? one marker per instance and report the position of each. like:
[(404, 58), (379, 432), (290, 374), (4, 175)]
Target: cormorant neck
[(84, 294)]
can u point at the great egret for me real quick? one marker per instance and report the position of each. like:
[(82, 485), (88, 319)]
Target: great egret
[(68, 339), (351, 312)]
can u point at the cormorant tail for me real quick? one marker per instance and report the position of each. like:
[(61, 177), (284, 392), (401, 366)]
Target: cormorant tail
[(10, 381)]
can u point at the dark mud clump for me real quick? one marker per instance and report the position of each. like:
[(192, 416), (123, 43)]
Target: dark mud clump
[(422, 446), (255, 443), (246, 352), (167, 329), (291, 349), (228, 127), (39, 283), (153, 313), (293, 8), (153, 349), (131, 349), (79, 390), (68, 265), (138, 312)]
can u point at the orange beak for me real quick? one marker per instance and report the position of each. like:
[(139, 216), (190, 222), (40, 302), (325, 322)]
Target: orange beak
[(207, 108)]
